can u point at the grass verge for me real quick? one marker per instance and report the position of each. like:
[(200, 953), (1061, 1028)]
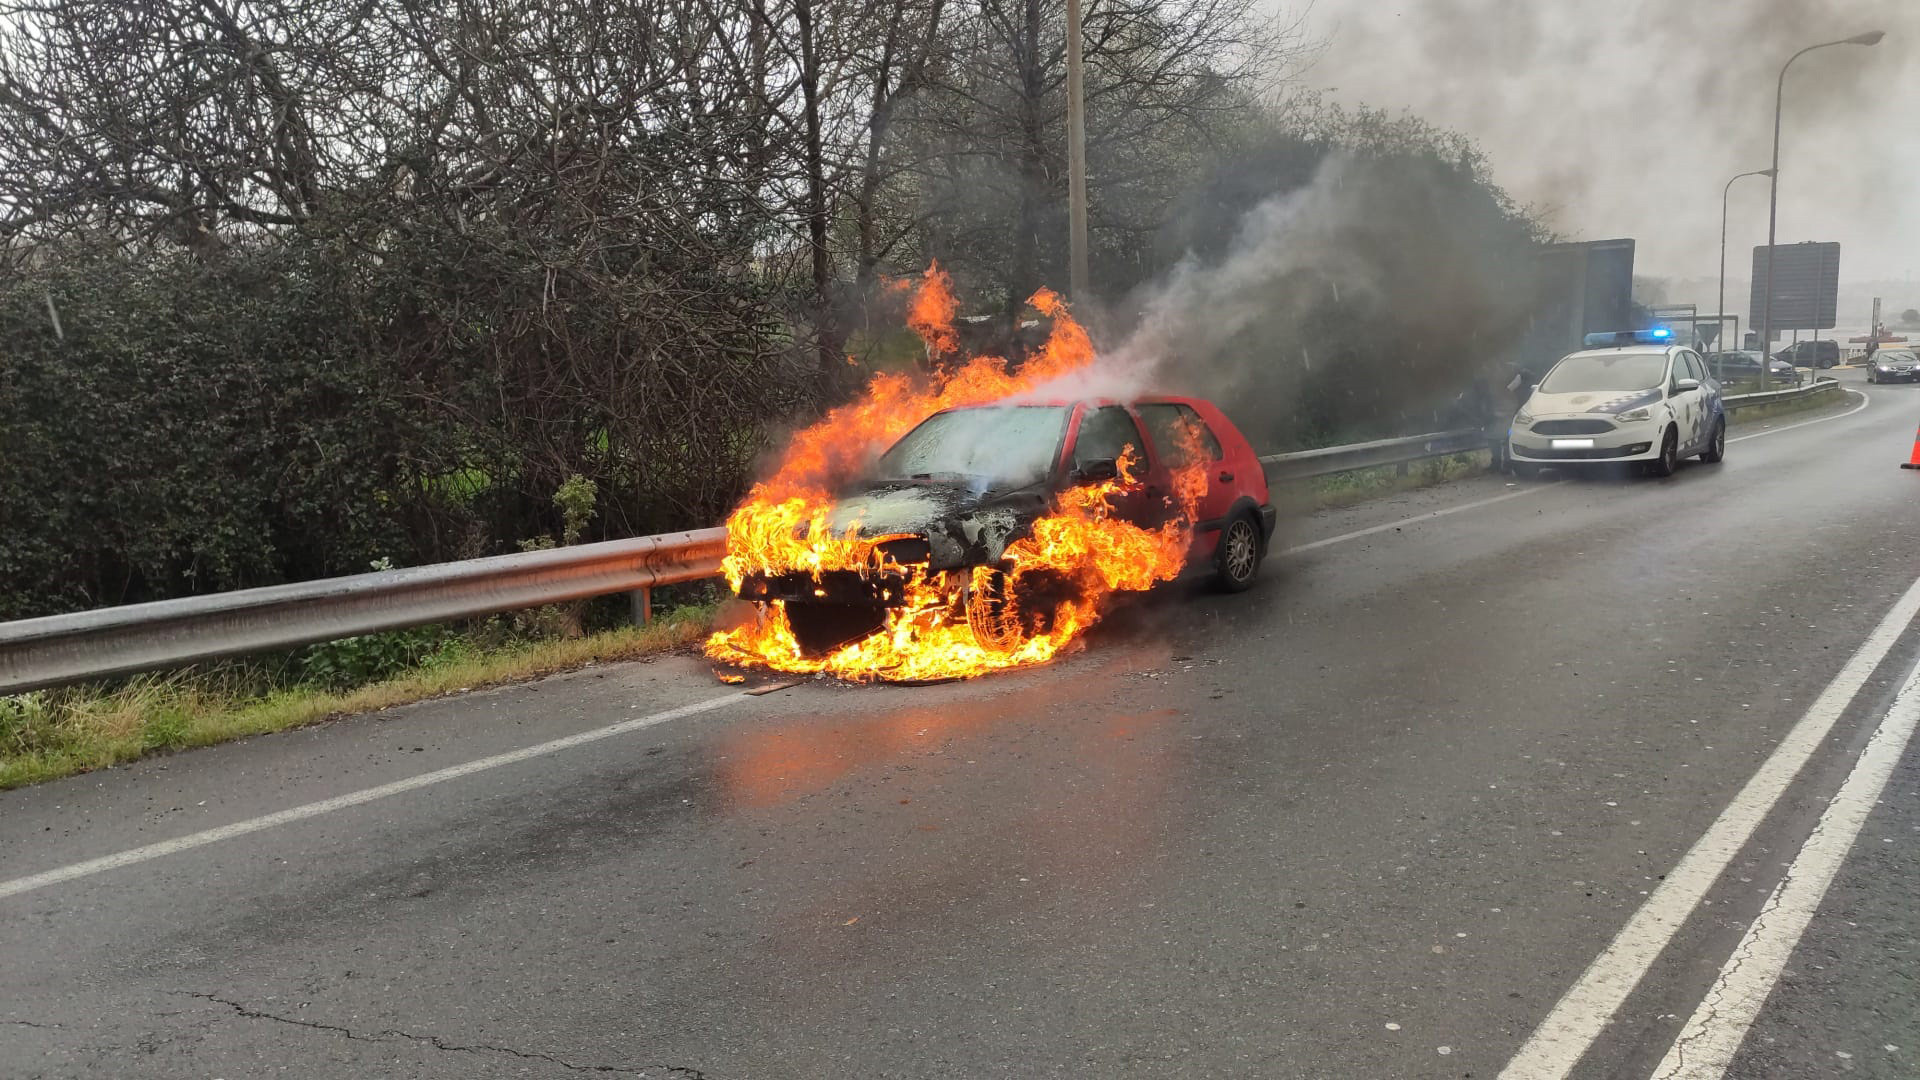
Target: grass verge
[(1748, 415), (55, 733), (1348, 488)]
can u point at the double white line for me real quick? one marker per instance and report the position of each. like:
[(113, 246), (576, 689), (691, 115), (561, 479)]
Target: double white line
[(1716, 1030)]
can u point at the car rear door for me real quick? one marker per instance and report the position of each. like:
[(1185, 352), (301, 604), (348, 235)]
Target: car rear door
[(1166, 421)]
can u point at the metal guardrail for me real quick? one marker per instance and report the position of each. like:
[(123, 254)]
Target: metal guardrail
[(1305, 464), (59, 649), (1736, 402)]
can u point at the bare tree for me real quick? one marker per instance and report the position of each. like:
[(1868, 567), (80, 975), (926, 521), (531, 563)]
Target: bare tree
[(1164, 79)]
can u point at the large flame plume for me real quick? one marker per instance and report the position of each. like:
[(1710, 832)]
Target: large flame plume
[(1081, 549)]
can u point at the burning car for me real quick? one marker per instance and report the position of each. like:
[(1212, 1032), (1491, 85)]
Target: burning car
[(992, 517)]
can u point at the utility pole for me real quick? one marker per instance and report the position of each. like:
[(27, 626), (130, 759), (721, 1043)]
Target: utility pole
[(1076, 160), (1721, 309)]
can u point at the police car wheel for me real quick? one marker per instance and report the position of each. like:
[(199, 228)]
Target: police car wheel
[(1716, 450), (1669, 458)]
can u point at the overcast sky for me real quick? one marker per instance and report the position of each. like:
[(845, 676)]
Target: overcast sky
[(1626, 117)]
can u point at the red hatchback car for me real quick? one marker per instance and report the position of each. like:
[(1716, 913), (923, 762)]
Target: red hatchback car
[(955, 491)]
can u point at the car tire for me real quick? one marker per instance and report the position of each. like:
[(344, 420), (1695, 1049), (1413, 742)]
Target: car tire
[(1716, 451), (1669, 459), (993, 614), (1238, 560), (1526, 470)]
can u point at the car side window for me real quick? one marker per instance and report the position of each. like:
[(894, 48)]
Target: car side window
[(1104, 433), (1164, 422), (1694, 370)]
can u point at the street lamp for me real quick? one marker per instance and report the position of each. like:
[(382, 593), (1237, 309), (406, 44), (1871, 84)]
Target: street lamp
[(1721, 309), (1871, 37)]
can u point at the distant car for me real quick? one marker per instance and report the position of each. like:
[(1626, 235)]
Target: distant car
[(1814, 354), (959, 489), (1744, 364), (1637, 402), (1894, 365)]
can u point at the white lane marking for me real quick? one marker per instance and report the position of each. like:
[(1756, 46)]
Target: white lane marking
[(355, 798), (1708, 1043), (1477, 504), (1865, 400), (1577, 1019)]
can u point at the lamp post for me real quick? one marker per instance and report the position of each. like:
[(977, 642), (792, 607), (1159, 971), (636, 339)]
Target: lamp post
[(1720, 310), (1871, 37)]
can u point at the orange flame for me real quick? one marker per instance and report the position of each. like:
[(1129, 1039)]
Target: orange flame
[(1049, 586), (930, 313)]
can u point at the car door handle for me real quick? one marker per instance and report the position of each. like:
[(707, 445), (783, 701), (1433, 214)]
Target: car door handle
[(1226, 477)]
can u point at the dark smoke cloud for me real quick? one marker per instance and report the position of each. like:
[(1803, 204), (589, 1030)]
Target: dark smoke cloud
[(1625, 117), (1358, 301)]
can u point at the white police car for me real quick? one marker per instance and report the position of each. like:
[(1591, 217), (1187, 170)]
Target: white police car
[(1631, 396)]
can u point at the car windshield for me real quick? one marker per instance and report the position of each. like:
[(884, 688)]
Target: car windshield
[(1890, 357), (1606, 371), (1010, 446)]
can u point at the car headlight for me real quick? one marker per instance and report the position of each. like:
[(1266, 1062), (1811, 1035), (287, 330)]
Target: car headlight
[(1634, 414), (1522, 418)]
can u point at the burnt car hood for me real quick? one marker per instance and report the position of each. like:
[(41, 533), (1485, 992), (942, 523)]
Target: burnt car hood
[(963, 525)]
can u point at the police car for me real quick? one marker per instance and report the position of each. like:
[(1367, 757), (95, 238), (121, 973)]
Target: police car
[(1633, 396)]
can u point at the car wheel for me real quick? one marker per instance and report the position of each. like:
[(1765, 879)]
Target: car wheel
[(1238, 559), (992, 614), (1716, 450), (1669, 458), (1526, 470)]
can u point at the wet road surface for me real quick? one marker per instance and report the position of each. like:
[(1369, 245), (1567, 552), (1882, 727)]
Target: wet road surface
[(1372, 819)]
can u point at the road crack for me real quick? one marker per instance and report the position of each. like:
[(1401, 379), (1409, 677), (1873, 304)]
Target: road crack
[(387, 1035), (1709, 1009)]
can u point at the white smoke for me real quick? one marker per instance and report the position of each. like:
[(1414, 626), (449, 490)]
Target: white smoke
[(1285, 257)]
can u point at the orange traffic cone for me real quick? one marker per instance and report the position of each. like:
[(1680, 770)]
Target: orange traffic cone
[(1915, 462)]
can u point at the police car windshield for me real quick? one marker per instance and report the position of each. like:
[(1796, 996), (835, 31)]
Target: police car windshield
[(1606, 371)]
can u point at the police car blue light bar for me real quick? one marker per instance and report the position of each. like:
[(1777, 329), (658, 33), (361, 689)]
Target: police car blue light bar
[(1656, 335)]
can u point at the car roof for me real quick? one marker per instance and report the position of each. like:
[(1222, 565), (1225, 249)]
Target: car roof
[(1647, 350), (1061, 402)]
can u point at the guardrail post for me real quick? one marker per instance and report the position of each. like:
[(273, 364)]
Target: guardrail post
[(642, 600)]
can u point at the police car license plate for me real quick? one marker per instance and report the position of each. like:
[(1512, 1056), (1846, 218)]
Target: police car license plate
[(1573, 444)]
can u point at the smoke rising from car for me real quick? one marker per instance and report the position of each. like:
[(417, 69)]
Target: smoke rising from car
[(1358, 304)]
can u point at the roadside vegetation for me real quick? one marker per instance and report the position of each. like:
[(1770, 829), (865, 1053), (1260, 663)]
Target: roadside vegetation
[(1349, 488), (54, 733), (1755, 413)]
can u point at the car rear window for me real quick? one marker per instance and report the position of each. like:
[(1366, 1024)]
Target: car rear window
[(1164, 420)]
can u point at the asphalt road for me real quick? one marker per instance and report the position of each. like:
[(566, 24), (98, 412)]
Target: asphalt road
[(1374, 818)]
